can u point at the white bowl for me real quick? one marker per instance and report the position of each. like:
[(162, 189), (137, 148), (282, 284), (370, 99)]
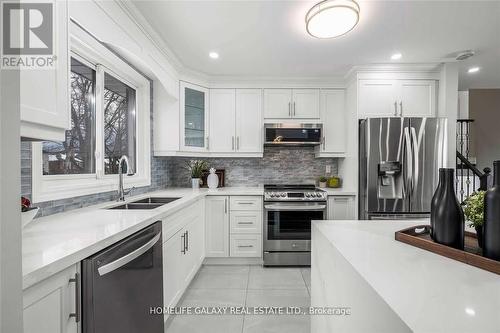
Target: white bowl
[(27, 217)]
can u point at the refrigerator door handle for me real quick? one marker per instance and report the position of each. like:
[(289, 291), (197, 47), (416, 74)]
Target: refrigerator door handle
[(408, 162), (415, 147)]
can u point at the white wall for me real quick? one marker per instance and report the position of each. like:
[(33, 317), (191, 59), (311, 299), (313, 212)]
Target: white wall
[(10, 192)]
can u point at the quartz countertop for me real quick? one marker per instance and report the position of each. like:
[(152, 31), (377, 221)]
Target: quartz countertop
[(427, 291), (55, 242)]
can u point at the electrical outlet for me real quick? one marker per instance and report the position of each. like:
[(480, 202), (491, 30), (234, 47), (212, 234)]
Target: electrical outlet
[(328, 169)]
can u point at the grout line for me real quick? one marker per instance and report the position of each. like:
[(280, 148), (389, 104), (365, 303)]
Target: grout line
[(246, 297)]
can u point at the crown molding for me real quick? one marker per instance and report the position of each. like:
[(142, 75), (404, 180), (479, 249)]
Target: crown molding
[(394, 68), (140, 21)]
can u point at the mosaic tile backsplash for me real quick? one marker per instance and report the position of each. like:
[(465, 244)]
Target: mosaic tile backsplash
[(279, 165)]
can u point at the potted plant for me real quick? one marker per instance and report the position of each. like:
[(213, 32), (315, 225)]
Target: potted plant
[(28, 212), (474, 213), (195, 168), (322, 181)]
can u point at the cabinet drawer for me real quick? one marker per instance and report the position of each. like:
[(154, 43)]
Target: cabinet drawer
[(246, 203), (246, 222), (243, 245)]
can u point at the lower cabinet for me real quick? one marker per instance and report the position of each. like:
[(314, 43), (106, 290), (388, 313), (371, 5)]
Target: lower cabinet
[(217, 226), (183, 253), (341, 207), (51, 305), (246, 245)]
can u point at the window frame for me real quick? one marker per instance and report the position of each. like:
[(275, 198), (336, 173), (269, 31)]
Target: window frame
[(89, 51)]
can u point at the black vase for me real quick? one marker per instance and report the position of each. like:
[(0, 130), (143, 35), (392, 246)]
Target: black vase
[(491, 236), (447, 217)]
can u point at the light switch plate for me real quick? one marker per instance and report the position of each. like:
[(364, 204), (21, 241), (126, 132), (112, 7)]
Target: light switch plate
[(328, 169)]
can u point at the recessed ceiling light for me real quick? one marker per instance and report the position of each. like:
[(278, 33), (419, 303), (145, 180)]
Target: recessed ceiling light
[(473, 70), (213, 55), (332, 18), (396, 56)]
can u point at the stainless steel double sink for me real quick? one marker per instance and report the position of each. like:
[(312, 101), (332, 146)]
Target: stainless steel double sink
[(146, 203)]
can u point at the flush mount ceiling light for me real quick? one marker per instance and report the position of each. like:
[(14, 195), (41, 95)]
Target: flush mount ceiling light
[(332, 18), (473, 70), (396, 56), (213, 55)]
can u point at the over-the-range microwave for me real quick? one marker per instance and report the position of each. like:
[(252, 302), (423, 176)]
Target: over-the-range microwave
[(292, 134)]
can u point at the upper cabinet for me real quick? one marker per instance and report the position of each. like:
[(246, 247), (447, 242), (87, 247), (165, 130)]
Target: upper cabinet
[(194, 102), (236, 122), (333, 116), (45, 109), (291, 103), (397, 98)]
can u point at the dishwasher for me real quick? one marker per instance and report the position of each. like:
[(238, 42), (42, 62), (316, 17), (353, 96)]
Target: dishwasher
[(122, 283)]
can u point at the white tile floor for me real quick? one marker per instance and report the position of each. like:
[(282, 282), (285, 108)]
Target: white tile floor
[(250, 286)]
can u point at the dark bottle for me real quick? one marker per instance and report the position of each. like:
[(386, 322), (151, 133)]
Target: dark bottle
[(447, 216), (491, 237)]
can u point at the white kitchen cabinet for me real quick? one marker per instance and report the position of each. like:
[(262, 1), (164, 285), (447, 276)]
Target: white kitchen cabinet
[(249, 122), (194, 105), (333, 116), (174, 268), (235, 121), (195, 245), (291, 103), (397, 98), (45, 111), (217, 226), (246, 245), (418, 98), (341, 207), (305, 103), (222, 120), (377, 98), (50, 306), (277, 103)]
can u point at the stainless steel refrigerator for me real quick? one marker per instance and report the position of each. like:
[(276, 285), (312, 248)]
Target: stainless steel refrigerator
[(399, 161)]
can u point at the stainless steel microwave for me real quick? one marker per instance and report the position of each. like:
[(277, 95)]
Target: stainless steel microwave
[(292, 134)]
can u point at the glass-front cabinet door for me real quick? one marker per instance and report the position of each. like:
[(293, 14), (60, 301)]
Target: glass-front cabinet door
[(194, 112)]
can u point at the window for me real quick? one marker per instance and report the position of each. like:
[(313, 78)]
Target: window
[(110, 116), (119, 123), (76, 154)]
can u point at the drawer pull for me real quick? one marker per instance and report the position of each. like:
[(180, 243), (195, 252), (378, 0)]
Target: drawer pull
[(245, 202), (245, 246), (245, 222)]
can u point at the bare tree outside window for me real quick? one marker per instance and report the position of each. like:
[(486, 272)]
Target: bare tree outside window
[(119, 123), (75, 155)]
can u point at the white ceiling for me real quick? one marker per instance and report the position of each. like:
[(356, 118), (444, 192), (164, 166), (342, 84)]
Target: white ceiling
[(268, 38)]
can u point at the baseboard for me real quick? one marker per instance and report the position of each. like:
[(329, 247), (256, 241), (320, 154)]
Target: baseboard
[(233, 261)]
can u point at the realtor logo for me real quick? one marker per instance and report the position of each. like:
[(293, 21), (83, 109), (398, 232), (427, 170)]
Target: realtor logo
[(27, 35)]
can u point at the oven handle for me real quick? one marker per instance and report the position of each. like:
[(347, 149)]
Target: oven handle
[(108, 268), (295, 207)]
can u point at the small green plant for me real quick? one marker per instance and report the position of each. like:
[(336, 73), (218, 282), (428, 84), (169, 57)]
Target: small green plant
[(322, 179), (474, 209), (196, 167)]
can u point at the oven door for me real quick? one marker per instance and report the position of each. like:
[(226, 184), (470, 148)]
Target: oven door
[(287, 225)]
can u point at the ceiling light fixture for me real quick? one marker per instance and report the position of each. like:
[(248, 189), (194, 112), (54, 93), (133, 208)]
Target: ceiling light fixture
[(396, 56), (213, 55), (332, 18), (473, 70)]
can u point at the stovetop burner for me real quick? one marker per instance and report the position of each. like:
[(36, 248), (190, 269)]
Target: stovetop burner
[(293, 192)]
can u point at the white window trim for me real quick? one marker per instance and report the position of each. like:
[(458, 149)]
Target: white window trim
[(54, 187)]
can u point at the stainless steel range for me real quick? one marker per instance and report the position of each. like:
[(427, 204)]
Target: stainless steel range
[(288, 212)]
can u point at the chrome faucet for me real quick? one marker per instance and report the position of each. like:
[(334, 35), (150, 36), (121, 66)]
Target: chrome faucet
[(121, 192)]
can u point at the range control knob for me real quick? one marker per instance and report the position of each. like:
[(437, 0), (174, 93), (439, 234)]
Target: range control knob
[(318, 195), (271, 195), (283, 194), (308, 195)]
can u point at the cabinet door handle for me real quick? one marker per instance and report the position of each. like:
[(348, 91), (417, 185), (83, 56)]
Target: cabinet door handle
[(232, 143), (294, 109), (225, 206), (208, 142), (400, 108), (243, 246), (395, 109), (183, 237), (238, 143), (78, 311), (289, 109), (323, 142), (187, 240)]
